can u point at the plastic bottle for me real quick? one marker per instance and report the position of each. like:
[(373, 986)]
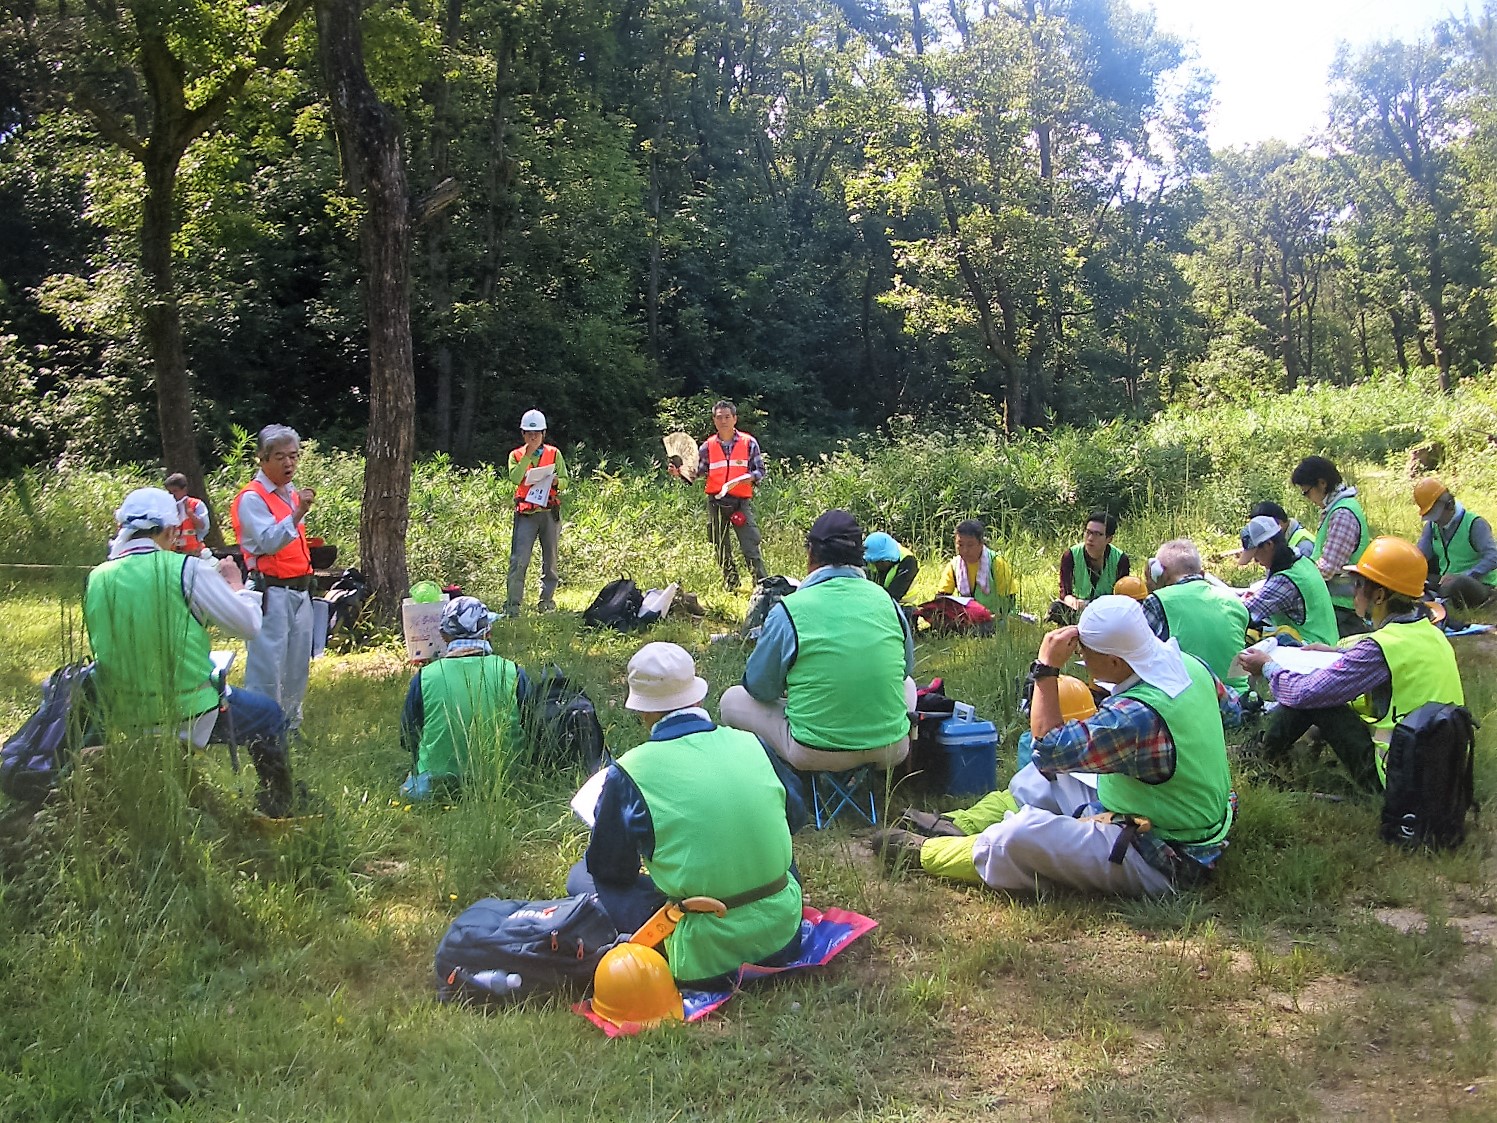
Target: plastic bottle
[(497, 983)]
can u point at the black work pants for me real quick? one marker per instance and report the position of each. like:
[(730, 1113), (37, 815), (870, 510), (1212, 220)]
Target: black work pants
[(1343, 729)]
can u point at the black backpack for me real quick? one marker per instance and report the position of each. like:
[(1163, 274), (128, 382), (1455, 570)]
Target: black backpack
[(550, 945), (561, 725), (767, 593), (1428, 787), (34, 757), (616, 606)]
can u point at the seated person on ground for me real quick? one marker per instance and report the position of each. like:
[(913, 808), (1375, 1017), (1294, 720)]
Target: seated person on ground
[(1076, 704), (709, 811), (889, 565), (1294, 596), (1342, 536), (1299, 536), (1457, 545), (1382, 678), (832, 670), (461, 720), (1090, 568), (978, 571), (147, 611), (1209, 622), (1163, 805)]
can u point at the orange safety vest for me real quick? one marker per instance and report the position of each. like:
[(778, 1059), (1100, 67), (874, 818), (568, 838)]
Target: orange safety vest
[(547, 458), (291, 560), (188, 531), (721, 468)]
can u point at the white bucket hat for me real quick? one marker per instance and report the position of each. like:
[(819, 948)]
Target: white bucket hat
[(663, 677), (1115, 625)]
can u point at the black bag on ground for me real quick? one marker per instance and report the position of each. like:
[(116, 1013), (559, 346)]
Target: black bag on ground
[(1428, 788), (767, 593), (561, 725), (346, 599), (34, 757), (616, 606), (550, 945)]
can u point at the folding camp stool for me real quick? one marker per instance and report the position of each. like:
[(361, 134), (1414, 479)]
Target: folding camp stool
[(846, 781)]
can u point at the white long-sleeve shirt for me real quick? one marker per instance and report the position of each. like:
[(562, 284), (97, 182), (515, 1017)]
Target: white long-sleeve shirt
[(260, 532), (212, 601)]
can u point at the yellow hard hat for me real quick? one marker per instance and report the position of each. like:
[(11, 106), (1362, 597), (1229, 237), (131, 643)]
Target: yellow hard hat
[(1130, 586), (1427, 493), (1395, 564), (633, 984), (1076, 701)]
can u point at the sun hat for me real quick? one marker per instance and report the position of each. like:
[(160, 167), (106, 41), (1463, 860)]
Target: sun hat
[(146, 508), (880, 547), (1115, 625), (663, 677), (465, 618), (1260, 529)]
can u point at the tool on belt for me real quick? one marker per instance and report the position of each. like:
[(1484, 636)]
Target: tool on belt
[(652, 933), (1133, 826)]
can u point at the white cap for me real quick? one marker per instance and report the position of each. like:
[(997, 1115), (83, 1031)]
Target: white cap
[(145, 508), (1260, 529), (663, 677), (1115, 625), (534, 421)]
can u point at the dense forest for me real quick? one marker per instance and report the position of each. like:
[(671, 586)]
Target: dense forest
[(847, 214)]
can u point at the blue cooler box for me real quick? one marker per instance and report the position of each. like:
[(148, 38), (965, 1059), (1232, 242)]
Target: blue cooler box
[(971, 750)]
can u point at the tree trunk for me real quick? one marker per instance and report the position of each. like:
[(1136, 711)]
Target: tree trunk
[(369, 140), (1288, 346), (1438, 324), (163, 325), (1400, 338)]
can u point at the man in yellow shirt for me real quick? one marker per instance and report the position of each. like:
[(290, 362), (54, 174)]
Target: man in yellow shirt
[(979, 572)]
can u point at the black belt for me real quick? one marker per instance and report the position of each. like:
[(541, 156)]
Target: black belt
[(738, 900), (300, 584)]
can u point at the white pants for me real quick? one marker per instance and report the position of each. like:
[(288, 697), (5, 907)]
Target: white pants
[(1062, 795), (742, 710), (277, 659), (1034, 849)]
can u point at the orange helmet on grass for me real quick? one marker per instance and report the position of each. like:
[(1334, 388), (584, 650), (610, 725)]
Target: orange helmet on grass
[(633, 984)]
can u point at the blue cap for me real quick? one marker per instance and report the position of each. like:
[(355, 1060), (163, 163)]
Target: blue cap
[(880, 547)]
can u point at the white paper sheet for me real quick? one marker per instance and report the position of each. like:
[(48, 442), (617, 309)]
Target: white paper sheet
[(539, 480), (585, 802)]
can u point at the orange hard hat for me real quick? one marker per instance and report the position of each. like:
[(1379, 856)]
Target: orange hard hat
[(633, 984), (1427, 493), (1130, 586), (1076, 701), (1395, 564)]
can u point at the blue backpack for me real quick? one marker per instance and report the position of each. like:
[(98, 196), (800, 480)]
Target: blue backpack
[(34, 757), (507, 950)]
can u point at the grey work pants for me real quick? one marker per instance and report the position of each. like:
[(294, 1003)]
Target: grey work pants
[(719, 523), (545, 525), (277, 660)]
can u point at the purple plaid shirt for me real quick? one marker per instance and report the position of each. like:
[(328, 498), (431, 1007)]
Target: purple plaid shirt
[(1341, 536), (1127, 738), (1279, 595)]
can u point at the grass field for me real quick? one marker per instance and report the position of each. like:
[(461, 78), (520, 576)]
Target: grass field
[(161, 960)]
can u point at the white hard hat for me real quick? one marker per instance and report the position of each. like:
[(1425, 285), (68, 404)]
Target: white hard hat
[(534, 421)]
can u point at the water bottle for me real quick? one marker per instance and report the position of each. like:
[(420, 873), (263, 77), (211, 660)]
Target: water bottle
[(500, 984)]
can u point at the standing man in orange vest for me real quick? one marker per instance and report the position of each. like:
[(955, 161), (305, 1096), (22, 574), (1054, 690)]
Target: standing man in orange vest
[(537, 511), (192, 516), (267, 516), (730, 464)]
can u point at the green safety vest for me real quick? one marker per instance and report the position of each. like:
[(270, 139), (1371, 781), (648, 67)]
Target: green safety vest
[(1320, 613), (1192, 805), (471, 716), (1460, 555), (154, 665), (1300, 534), (1422, 665), (845, 689), (886, 578), (1081, 576), (1209, 623), (1340, 585), (717, 808)]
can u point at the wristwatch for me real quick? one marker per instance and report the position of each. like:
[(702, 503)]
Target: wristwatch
[(1040, 670)]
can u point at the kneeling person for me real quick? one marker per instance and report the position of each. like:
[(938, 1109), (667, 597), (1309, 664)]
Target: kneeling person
[(709, 813), (146, 612), (1382, 678), (461, 718)]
